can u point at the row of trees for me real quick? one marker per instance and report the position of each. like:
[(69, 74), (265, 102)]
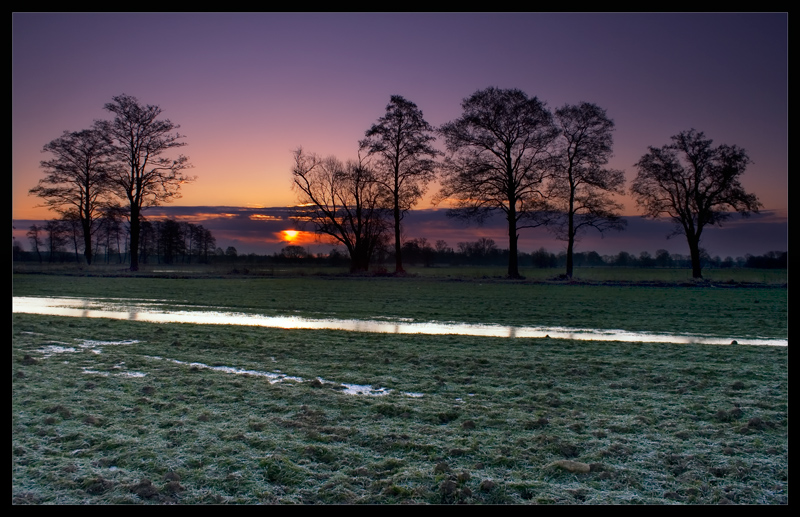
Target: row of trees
[(171, 242), (507, 153), (166, 241), (119, 165), (485, 252)]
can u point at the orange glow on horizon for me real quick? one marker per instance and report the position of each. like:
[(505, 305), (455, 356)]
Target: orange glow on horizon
[(296, 237)]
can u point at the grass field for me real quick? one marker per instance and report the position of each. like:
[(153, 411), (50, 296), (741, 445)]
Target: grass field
[(589, 274), (115, 411)]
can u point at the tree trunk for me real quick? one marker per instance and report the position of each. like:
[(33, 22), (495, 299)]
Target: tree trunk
[(398, 261), (513, 259), (359, 262), (694, 251), (570, 229), (135, 227), (87, 241), (569, 257)]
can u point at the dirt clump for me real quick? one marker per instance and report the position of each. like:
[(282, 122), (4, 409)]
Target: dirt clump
[(27, 360), (572, 466), (487, 485), (173, 487), (145, 489), (92, 420), (98, 485)]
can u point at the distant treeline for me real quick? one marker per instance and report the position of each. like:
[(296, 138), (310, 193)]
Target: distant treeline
[(161, 242), (172, 242)]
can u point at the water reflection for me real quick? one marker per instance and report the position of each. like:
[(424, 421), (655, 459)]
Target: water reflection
[(151, 311)]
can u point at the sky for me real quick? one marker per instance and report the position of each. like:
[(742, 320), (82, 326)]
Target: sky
[(249, 88)]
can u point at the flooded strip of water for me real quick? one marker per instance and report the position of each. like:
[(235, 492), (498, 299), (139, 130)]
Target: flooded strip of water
[(129, 310)]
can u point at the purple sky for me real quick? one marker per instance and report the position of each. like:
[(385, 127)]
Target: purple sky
[(247, 89)]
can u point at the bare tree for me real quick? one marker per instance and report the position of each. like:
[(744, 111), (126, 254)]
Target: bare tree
[(170, 240), (76, 180), (402, 143), (188, 240), (497, 160), (144, 175), (35, 238), (149, 235), (695, 184), (73, 224), (204, 243), (580, 187), (110, 230), (293, 252), (342, 201), (57, 232)]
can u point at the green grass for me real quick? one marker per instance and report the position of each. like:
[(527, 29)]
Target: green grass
[(139, 423), (587, 274)]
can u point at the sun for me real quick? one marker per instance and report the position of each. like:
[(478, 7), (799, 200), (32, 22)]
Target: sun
[(290, 235)]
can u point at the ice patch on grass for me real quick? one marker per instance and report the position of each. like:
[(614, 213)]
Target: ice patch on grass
[(134, 375), (94, 372), (50, 350), (270, 376), (363, 389), (84, 344), (275, 377), (93, 343)]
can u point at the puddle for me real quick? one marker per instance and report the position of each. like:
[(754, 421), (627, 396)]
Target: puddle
[(150, 311)]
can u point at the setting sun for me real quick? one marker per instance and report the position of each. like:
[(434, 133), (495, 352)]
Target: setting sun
[(290, 235)]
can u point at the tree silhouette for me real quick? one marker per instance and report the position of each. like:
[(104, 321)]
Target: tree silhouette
[(57, 232), (497, 161), (342, 201), (204, 243), (695, 184), (144, 175), (76, 179), (293, 252), (580, 185), (171, 241), (402, 144), (35, 238)]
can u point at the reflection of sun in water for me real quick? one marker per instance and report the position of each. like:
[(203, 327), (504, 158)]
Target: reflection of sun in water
[(290, 235)]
